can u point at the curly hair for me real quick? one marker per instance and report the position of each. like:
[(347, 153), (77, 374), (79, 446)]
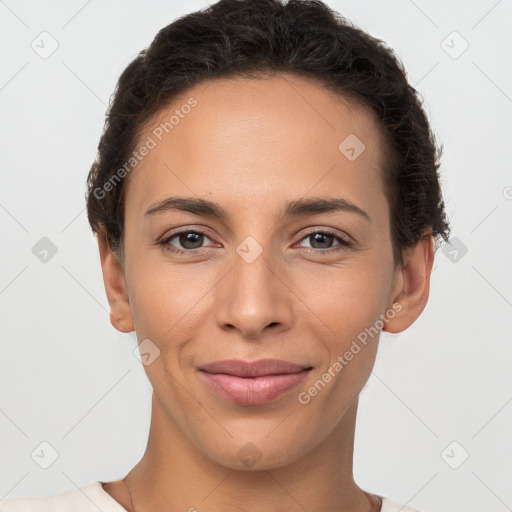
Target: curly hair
[(247, 38)]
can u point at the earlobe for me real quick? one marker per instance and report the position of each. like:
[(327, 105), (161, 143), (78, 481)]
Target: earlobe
[(414, 283), (115, 287)]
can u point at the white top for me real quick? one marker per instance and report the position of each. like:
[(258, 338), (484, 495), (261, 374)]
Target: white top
[(92, 497)]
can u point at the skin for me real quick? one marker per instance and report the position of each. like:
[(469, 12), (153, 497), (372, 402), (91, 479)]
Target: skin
[(251, 145)]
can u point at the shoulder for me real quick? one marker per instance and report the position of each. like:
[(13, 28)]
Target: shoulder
[(88, 498), (388, 505)]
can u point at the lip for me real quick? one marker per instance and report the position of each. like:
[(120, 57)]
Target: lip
[(241, 368), (253, 382)]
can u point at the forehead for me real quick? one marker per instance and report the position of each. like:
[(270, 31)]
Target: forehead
[(247, 141)]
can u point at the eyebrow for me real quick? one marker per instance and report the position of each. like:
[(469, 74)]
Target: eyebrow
[(297, 208)]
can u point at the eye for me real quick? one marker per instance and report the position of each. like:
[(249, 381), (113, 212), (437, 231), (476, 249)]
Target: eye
[(190, 240), (321, 240)]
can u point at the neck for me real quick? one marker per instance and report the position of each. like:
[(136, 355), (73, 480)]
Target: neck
[(174, 475)]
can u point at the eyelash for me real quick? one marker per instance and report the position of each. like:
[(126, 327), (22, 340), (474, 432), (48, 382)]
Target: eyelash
[(344, 243)]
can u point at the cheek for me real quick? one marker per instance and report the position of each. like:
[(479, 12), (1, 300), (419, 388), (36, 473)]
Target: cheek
[(164, 308), (349, 308), (346, 300), (165, 298), (161, 291)]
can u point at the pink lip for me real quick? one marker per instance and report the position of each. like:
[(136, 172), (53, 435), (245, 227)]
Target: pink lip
[(253, 383)]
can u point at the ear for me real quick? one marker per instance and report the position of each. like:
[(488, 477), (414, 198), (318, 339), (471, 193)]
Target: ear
[(412, 285), (115, 286)]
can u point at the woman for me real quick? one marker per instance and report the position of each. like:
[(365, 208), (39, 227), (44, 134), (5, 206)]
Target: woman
[(266, 201)]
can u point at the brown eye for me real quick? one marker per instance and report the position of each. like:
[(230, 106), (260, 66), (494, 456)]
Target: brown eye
[(188, 241), (325, 240)]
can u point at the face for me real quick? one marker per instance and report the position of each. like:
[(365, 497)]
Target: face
[(277, 276)]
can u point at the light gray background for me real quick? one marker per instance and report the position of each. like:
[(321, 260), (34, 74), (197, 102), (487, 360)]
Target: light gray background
[(69, 379)]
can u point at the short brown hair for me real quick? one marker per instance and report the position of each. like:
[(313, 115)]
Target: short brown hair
[(303, 37)]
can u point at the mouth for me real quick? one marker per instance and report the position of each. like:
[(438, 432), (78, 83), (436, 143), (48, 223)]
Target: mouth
[(253, 383)]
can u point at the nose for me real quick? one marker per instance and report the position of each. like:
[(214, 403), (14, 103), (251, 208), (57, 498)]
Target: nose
[(253, 299)]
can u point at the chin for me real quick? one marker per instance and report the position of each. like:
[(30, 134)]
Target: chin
[(240, 453)]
